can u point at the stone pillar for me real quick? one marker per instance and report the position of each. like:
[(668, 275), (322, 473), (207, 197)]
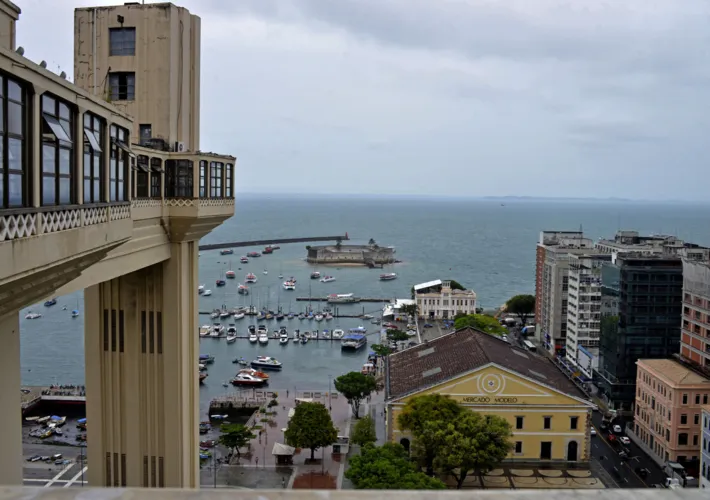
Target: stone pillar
[(141, 376), (11, 413)]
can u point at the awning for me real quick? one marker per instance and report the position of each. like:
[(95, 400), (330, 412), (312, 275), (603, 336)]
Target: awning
[(124, 147)]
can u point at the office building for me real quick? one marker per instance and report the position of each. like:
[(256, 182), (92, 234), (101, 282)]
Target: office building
[(695, 338), (659, 244)]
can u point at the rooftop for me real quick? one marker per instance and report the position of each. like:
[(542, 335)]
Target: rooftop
[(673, 372), (428, 284), (446, 357)]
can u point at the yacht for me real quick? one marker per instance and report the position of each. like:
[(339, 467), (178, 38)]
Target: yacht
[(207, 293), (250, 278), (224, 314), (263, 338), (359, 330), (319, 317), (253, 254), (353, 342), (283, 340), (32, 315), (231, 334), (254, 373), (296, 335), (243, 289), (230, 275), (267, 250), (244, 259), (215, 314), (328, 317), (280, 316), (266, 272), (266, 363), (205, 330), (217, 330), (327, 279), (246, 379), (338, 334), (342, 298), (226, 251), (206, 359), (289, 285), (388, 276), (253, 338), (262, 329), (238, 315), (315, 275)]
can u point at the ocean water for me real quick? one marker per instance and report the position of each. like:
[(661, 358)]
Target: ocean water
[(486, 245)]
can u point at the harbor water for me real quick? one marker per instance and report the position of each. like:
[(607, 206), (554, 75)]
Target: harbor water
[(485, 245)]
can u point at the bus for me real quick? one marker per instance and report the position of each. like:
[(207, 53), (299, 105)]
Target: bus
[(529, 346)]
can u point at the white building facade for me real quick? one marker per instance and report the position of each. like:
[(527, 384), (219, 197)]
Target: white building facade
[(437, 300)]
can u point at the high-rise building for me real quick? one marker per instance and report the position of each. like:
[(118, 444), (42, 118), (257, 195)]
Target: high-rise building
[(695, 338), (145, 60), (641, 306), (705, 449), (584, 311), (553, 251), (657, 244)]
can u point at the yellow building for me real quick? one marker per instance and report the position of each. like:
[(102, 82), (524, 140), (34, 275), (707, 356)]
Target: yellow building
[(549, 415)]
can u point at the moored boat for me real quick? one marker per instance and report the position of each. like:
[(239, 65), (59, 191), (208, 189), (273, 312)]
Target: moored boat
[(243, 289), (230, 274), (203, 376), (226, 251), (205, 330), (244, 259), (250, 278), (315, 275), (342, 298), (32, 315), (289, 285), (220, 282), (254, 373), (327, 279), (353, 342), (253, 338), (246, 379), (50, 302), (206, 359), (318, 317), (263, 338), (231, 335), (238, 315), (338, 334), (207, 293), (388, 276), (266, 363)]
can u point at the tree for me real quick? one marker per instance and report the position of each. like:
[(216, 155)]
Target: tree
[(387, 467), (522, 306), (235, 436), (471, 442), (364, 431), (355, 386), (311, 427), (372, 242), (455, 285), (459, 315), (381, 350), (482, 322), (416, 417), (409, 309), (338, 242), (397, 335)]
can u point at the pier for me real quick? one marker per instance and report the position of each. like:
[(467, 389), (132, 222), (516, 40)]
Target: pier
[(305, 239), (325, 299)]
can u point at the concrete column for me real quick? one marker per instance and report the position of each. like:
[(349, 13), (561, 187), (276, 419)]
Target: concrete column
[(141, 376), (10, 414)]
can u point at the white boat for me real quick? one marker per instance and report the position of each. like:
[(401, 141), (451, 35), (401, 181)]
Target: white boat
[(246, 379), (327, 279), (253, 338), (217, 330), (266, 363), (338, 334), (32, 315), (319, 317), (250, 278), (266, 272), (388, 276), (207, 293), (342, 298), (289, 285), (283, 340), (224, 314), (353, 342), (201, 289), (263, 338), (230, 274), (232, 337), (205, 330), (238, 315), (262, 329), (328, 316)]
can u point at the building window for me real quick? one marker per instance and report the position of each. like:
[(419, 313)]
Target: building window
[(682, 439), (141, 175), (122, 41), (14, 179), (123, 86), (547, 422), (519, 422), (203, 174), (684, 419), (118, 169), (573, 421), (145, 132), (695, 440), (216, 179), (705, 399), (696, 418), (518, 447), (697, 399), (685, 399), (178, 179), (228, 173), (93, 158), (57, 152), (156, 173)]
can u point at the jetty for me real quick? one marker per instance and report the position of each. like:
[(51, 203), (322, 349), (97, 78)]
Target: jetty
[(360, 299), (253, 243)]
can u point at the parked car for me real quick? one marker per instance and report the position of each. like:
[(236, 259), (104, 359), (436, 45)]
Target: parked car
[(625, 440), (593, 431), (617, 429), (34, 458), (428, 325)]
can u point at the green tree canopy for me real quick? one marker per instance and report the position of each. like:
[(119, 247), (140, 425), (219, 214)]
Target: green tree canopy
[(387, 467), (364, 431), (355, 386), (235, 436), (397, 335), (481, 322), (522, 306), (455, 285), (471, 442), (409, 309), (381, 350), (311, 427), (416, 416), (372, 242)]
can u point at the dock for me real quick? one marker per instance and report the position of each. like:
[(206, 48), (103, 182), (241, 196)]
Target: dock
[(272, 242), (325, 299), (232, 320)]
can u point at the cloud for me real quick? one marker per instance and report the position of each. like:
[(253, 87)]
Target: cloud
[(441, 96)]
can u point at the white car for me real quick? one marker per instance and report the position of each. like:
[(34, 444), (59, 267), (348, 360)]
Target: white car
[(617, 429), (625, 440), (592, 432)]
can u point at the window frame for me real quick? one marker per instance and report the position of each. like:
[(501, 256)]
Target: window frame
[(115, 85), (124, 47), (119, 163), (20, 137), (547, 422), (58, 121), (141, 174), (519, 422), (179, 182), (156, 174), (216, 185), (574, 422), (203, 179), (94, 165), (228, 180)]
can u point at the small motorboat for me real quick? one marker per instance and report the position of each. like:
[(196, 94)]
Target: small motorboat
[(266, 272), (230, 275), (215, 314), (291, 315), (238, 315), (241, 361), (289, 285), (75, 313), (224, 314), (304, 338), (231, 335), (253, 338), (244, 259), (388, 276), (206, 359), (318, 317), (220, 282), (254, 373), (243, 289), (205, 330), (315, 275), (246, 379), (50, 302), (201, 289), (327, 279), (217, 331), (260, 315), (250, 278), (226, 251), (301, 316), (266, 363), (338, 334), (263, 338), (203, 376), (32, 315), (328, 317), (207, 293), (283, 340)]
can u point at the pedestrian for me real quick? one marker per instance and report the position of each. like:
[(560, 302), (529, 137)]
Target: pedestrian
[(257, 461), (283, 482), (286, 392)]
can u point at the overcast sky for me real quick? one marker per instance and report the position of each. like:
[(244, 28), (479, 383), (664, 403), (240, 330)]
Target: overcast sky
[(589, 98)]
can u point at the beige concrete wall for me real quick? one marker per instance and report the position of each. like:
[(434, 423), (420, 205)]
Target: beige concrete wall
[(10, 421), (166, 66), (9, 14)]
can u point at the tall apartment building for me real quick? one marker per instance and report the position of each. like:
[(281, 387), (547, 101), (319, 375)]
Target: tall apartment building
[(705, 449), (553, 251), (667, 420), (641, 306), (584, 311), (144, 59), (695, 329), (632, 242)]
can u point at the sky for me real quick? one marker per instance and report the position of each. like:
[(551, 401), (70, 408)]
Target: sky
[(576, 98)]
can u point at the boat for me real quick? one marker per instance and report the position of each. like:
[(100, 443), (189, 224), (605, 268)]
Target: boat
[(260, 315), (243, 289), (388, 276), (367, 316), (32, 315), (205, 330), (205, 427), (206, 359), (253, 337), (301, 316), (325, 334), (283, 333), (244, 259), (220, 282), (290, 315), (201, 289), (280, 316), (283, 340), (246, 379), (217, 331), (231, 335), (230, 275), (359, 330), (266, 272), (268, 315), (338, 334), (267, 250), (241, 361), (262, 329), (203, 376), (207, 293), (304, 338), (215, 314), (281, 276), (201, 366), (223, 314), (353, 342), (263, 338), (327, 279), (266, 363), (250, 278), (50, 302), (328, 317), (254, 373), (342, 298), (75, 313), (226, 251), (315, 275), (239, 315), (319, 317), (253, 254), (289, 285)]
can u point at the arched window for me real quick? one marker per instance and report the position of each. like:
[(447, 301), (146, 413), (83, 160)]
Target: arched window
[(14, 167), (57, 152)]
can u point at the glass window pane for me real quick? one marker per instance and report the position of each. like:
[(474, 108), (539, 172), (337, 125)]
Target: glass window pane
[(87, 120), (66, 125), (14, 91), (2, 86), (87, 192), (112, 187), (48, 159), (17, 161), (97, 191), (49, 105), (112, 172), (56, 128), (64, 112), (121, 193), (87, 165), (91, 140), (48, 196), (2, 189), (64, 191), (2, 116), (65, 161), (14, 118), (121, 168)]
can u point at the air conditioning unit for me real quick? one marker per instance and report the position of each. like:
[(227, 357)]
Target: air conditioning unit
[(180, 147)]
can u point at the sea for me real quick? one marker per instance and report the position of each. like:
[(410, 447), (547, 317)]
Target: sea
[(485, 244)]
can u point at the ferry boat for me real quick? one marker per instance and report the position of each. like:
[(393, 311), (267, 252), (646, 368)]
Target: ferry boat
[(250, 278), (32, 315), (289, 285), (226, 251), (253, 254), (246, 379), (315, 275), (266, 363), (327, 279), (388, 276), (353, 342), (244, 259), (342, 298), (220, 282), (50, 302), (230, 275), (243, 289)]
